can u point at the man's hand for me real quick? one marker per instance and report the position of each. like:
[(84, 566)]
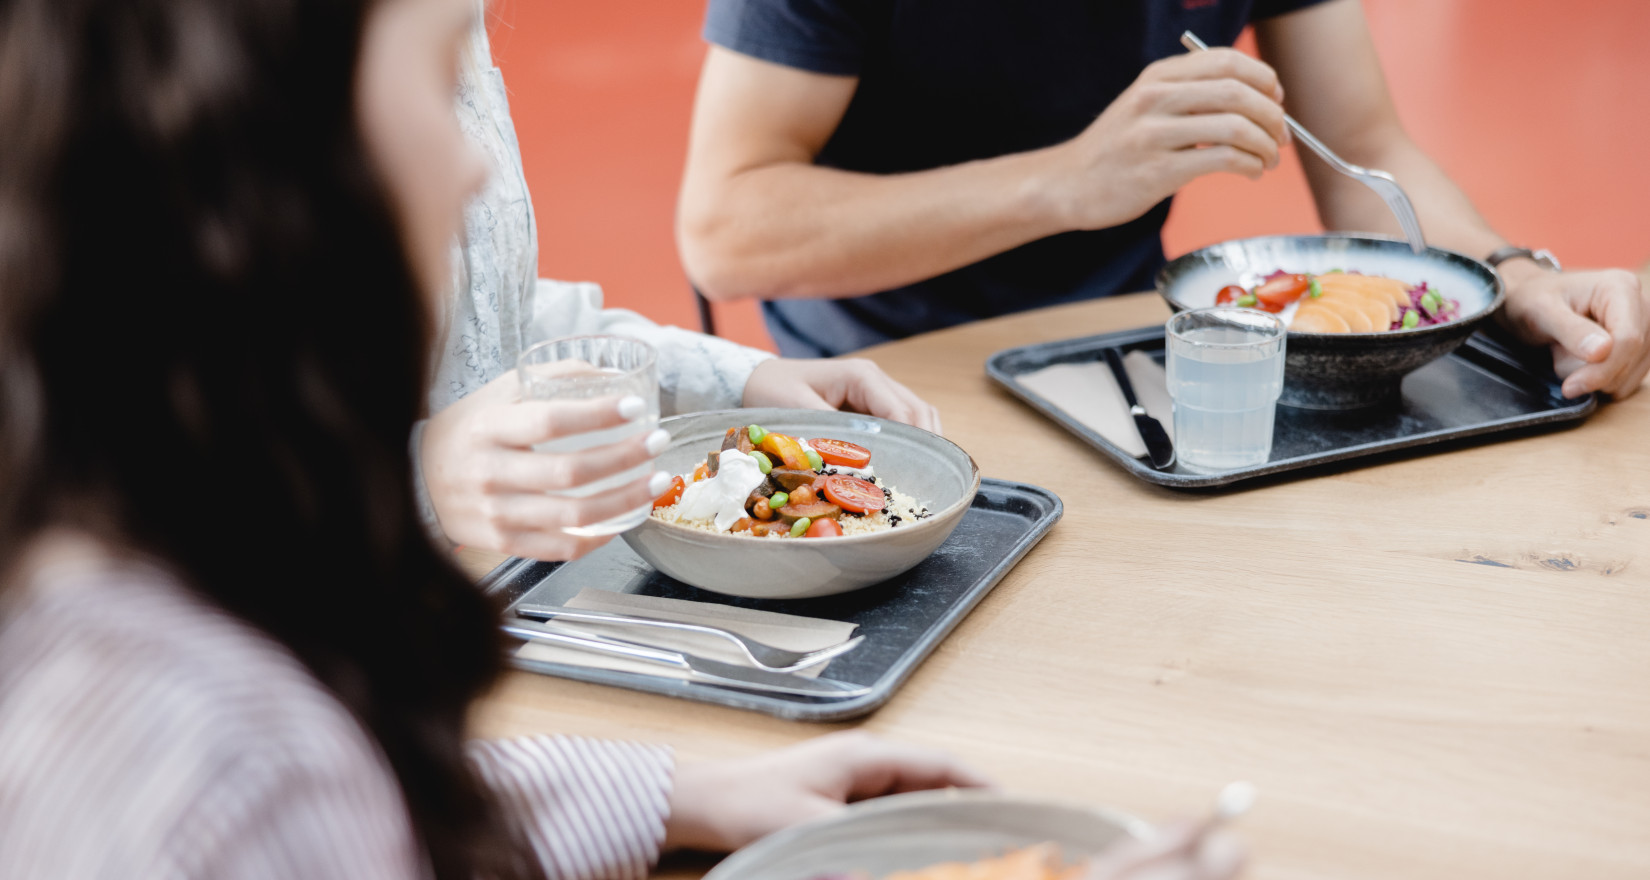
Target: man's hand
[(851, 384), (1597, 324), (720, 806), (491, 490), (1184, 117)]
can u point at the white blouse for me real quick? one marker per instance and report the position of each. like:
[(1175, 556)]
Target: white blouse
[(500, 306)]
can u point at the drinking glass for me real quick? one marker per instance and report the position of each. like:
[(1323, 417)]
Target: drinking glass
[(587, 367), (1225, 371)]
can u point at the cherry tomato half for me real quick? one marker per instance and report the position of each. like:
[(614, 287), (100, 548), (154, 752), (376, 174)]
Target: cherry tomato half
[(823, 528), (1281, 291), (1229, 294), (672, 495), (854, 494), (841, 452)]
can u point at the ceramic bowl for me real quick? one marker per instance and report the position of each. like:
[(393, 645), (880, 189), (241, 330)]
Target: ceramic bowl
[(912, 831), (927, 467), (1337, 371)]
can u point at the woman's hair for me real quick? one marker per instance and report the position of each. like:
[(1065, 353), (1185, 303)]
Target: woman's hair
[(212, 351)]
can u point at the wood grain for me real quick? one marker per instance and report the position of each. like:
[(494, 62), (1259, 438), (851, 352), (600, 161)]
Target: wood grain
[(1432, 667)]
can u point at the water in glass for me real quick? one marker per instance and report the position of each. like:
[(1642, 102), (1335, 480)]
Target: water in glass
[(588, 368), (1224, 380)]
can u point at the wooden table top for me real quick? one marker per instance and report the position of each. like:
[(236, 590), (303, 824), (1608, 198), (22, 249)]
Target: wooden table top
[(1433, 667)]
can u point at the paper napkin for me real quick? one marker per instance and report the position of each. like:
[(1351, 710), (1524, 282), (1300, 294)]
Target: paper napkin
[(1088, 393)]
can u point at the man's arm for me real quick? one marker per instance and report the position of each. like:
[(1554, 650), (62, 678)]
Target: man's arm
[(1596, 322), (758, 219)]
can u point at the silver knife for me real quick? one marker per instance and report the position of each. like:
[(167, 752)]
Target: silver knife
[(1151, 431), (700, 669)]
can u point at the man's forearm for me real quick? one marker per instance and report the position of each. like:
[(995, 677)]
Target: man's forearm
[(798, 230)]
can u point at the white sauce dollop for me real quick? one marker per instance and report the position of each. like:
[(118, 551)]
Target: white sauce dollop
[(721, 498)]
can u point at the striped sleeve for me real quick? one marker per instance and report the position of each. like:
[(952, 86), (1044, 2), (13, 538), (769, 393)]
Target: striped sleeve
[(592, 810)]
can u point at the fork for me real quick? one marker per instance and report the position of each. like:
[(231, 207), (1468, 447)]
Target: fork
[(761, 654), (1384, 184)]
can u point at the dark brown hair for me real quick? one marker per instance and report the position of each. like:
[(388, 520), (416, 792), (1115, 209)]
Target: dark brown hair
[(212, 350)]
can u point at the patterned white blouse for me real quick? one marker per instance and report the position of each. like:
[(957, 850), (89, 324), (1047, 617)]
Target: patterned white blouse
[(500, 306)]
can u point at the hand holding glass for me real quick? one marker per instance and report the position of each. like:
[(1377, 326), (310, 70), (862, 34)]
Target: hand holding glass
[(591, 367)]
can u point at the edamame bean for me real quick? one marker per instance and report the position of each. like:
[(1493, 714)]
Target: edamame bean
[(756, 433), (762, 460), (778, 500), (814, 461), (800, 527)]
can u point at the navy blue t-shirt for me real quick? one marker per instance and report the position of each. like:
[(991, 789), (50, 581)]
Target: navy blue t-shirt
[(949, 81)]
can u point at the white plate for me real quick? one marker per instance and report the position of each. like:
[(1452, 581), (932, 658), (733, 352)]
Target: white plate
[(910, 831)]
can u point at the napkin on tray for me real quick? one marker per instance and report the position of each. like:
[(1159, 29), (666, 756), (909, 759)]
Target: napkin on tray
[(788, 631), (1088, 393)]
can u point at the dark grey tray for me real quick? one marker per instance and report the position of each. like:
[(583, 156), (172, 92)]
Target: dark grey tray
[(1483, 388), (902, 619)]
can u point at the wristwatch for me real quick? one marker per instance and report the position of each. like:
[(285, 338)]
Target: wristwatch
[(1542, 257)]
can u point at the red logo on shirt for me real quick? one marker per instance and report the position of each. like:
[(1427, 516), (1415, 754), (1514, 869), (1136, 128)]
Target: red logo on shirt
[(1198, 4)]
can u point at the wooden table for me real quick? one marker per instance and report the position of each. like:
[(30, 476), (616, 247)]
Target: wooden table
[(1435, 667)]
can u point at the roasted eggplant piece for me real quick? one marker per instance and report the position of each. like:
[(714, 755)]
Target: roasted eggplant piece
[(790, 513), (789, 479)]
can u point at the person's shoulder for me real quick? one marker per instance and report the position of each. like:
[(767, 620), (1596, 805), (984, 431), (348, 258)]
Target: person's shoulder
[(819, 36), (131, 693), (1264, 9)]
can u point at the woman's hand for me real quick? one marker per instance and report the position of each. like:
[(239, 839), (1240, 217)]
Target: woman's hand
[(490, 489), (851, 384), (719, 806), (1597, 324), (1178, 851)]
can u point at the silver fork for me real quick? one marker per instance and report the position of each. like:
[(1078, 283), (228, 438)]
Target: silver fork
[(1384, 184), (761, 654)]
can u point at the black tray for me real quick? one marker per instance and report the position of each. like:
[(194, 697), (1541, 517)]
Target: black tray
[(902, 619), (1481, 388)]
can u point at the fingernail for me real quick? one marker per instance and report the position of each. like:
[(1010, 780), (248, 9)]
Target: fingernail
[(632, 407), (659, 483), (657, 441), (1593, 344)]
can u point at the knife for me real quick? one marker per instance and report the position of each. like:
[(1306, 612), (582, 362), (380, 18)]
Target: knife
[(700, 669), (1151, 431)]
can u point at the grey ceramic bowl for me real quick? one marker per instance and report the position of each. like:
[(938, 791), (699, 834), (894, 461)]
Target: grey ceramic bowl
[(927, 467), (1342, 370), (912, 831)]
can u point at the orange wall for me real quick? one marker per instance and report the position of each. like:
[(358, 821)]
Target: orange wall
[(1543, 119)]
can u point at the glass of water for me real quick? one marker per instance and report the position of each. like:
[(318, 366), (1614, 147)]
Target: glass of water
[(1225, 371), (588, 367)]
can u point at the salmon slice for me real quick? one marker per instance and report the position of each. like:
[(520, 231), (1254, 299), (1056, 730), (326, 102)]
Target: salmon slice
[(1313, 318), (1376, 307), (1352, 310), (1390, 289)]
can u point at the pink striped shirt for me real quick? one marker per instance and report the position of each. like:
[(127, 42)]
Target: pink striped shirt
[(143, 733)]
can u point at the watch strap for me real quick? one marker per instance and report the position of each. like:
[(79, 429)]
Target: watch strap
[(1542, 257)]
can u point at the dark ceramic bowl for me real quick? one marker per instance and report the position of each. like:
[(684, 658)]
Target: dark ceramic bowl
[(927, 467), (1337, 371)]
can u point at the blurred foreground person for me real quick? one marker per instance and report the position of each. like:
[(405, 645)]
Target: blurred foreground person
[(220, 224)]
